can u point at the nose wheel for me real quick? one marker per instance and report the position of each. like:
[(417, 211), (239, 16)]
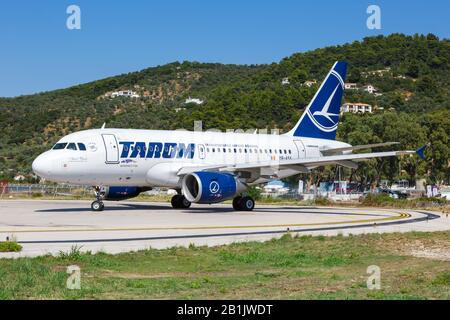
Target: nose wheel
[(243, 203), (97, 206), (180, 202)]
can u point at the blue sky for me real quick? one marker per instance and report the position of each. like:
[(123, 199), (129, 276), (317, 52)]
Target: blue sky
[(38, 52)]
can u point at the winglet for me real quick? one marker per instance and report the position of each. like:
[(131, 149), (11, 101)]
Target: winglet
[(103, 126), (421, 151)]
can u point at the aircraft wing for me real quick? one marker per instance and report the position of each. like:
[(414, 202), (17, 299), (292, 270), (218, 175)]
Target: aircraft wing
[(337, 151), (306, 162), (319, 161)]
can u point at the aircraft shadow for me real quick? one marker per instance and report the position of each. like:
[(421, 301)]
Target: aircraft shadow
[(212, 209), (136, 207)]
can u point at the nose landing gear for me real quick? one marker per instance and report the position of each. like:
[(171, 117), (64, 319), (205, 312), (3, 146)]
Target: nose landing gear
[(98, 204)]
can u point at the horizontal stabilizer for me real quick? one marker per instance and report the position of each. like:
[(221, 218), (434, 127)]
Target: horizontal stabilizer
[(421, 151)]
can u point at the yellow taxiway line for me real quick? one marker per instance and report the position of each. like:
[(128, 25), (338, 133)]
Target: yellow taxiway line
[(399, 215)]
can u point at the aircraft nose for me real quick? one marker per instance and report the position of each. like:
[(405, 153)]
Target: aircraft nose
[(42, 166)]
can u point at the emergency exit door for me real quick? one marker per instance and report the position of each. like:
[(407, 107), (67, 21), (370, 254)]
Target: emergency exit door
[(201, 151)]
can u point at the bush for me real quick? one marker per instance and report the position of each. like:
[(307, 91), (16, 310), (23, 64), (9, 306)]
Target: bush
[(10, 246), (254, 192), (321, 201), (384, 200), (433, 201), (74, 254), (377, 199)]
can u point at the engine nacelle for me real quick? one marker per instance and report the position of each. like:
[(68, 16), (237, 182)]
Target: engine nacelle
[(121, 193), (210, 187)]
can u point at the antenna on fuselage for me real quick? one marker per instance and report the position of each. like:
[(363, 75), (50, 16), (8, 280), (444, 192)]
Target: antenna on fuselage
[(103, 126)]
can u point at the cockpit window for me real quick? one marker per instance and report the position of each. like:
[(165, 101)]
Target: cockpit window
[(81, 146), (60, 146), (72, 146)]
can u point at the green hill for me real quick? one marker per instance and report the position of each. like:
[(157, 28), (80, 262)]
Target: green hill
[(411, 72)]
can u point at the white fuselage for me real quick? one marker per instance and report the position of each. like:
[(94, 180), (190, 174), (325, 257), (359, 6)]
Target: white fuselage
[(153, 158)]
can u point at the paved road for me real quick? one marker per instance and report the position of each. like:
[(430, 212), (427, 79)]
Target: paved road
[(48, 227)]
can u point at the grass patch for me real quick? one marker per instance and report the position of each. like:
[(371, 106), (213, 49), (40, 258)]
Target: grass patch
[(291, 267), (10, 246), (442, 278), (383, 200)]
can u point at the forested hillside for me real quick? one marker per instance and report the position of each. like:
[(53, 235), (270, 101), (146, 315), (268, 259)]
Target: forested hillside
[(412, 106)]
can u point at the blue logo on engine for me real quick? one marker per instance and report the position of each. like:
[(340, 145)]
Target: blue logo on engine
[(214, 187)]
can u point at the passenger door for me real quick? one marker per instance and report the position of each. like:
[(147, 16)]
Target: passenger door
[(111, 148), (301, 149)]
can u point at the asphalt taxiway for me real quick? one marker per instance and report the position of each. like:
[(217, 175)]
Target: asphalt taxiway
[(51, 226)]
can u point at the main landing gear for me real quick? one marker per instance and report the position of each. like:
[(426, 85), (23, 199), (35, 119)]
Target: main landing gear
[(98, 204), (243, 203), (180, 202)]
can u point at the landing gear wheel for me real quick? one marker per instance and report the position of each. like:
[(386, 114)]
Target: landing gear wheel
[(180, 202), (185, 203), (175, 201), (237, 203), (243, 203), (247, 204), (97, 206)]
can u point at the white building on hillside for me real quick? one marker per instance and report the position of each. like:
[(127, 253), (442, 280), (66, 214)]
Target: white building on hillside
[(356, 108), (380, 72), (350, 86), (310, 83), (370, 89), (124, 93), (285, 81), (194, 100)]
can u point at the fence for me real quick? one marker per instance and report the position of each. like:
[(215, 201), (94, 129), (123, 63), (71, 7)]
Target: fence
[(7, 190), (314, 194), (45, 190)]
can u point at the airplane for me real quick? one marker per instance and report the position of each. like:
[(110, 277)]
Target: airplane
[(205, 167)]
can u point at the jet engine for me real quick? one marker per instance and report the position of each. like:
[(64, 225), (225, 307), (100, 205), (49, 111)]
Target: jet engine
[(211, 187)]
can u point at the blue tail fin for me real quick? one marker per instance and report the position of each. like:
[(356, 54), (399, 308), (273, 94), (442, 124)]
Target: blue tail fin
[(321, 117)]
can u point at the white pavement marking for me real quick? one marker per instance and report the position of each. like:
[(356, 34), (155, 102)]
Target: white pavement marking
[(51, 226)]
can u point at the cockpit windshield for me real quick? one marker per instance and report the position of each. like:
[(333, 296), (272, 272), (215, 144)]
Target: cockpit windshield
[(69, 146), (59, 146)]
